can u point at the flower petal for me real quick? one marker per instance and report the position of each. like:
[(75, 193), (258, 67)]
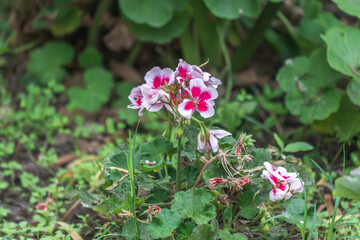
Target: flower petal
[(205, 109), (219, 133), (208, 93), (196, 87), (214, 143), (186, 108)]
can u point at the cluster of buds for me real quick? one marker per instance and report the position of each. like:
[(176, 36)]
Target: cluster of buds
[(285, 184), (234, 183), (182, 92)]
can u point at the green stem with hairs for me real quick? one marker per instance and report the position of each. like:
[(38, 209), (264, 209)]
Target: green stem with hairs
[(178, 167)]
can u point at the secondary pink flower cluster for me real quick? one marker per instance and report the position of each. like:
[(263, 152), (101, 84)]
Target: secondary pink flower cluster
[(284, 184), (182, 92)]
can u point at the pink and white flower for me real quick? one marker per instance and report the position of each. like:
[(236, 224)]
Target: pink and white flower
[(202, 99), (184, 71), (150, 163), (211, 142), (284, 184), (136, 99), (153, 91)]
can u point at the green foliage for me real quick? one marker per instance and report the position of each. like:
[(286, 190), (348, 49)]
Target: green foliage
[(98, 86), (232, 9), (348, 186), (298, 147), (226, 235), (67, 21), (172, 29), (205, 231), (247, 208), (46, 63), (185, 230), (310, 90), (164, 224), (129, 230), (195, 204), (351, 7), (155, 149), (89, 58)]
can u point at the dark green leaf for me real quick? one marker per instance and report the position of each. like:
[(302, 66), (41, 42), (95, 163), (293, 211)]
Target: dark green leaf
[(90, 57), (195, 204), (156, 148), (129, 232), (67, 21), (164, 224), (205, 231), (226, 235), (247, 209), (185, 230)]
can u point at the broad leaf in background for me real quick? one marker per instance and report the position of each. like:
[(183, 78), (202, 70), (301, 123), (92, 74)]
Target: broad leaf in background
[(154, 13), (164, 224), (313, 28), (351, 7), (90, 57), (310, 90), (226, 235), (344, 122), (195, 204), (295, 208), (353, 91), (232, 9), (298, 147), (348, 186), (343, 52), (67, 21), (164, 34), (46, 62), (98, 85)]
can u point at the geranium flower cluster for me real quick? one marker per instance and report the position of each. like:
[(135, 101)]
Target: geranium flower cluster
[(285, 184), (182, 92)]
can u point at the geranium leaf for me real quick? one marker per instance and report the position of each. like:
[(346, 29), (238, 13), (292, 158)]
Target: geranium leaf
[(351, 7), (98, 86), (156, 148), (232, 9), (344, 50), (348, 186), (90, 57), (195, 204), (164, 224), (353, 90), (185, 230), (205, 231)]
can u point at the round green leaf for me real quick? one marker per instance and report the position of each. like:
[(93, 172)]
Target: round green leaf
[(351, 7), (98, 86), (165, 34), (164, 224), (195, 204), (90, 57), (311, 91), (298, 147), (353, 90), (46, 62), (348, 186), (232, 9), (344, 50), (155, 13)]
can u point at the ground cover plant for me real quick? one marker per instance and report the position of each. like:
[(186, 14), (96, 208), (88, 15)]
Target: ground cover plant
[(168, 119)]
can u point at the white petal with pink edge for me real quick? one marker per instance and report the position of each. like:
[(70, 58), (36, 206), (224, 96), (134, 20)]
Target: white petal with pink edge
[(219, 133), (150, 75), (186, 108)]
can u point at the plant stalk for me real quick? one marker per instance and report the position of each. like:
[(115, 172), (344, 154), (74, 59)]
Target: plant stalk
[(247, 49), (178, 167)]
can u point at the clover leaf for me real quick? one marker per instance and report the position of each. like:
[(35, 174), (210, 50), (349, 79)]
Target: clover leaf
[(46, 62), (164, 224), (98, 86), (351, 7), (310, 90), (195, 204), (232, 9)]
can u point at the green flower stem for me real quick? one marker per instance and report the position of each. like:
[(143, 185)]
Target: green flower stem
[(178, 167), (228, 68), (130, 162), (244, 53), (95, 27)]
